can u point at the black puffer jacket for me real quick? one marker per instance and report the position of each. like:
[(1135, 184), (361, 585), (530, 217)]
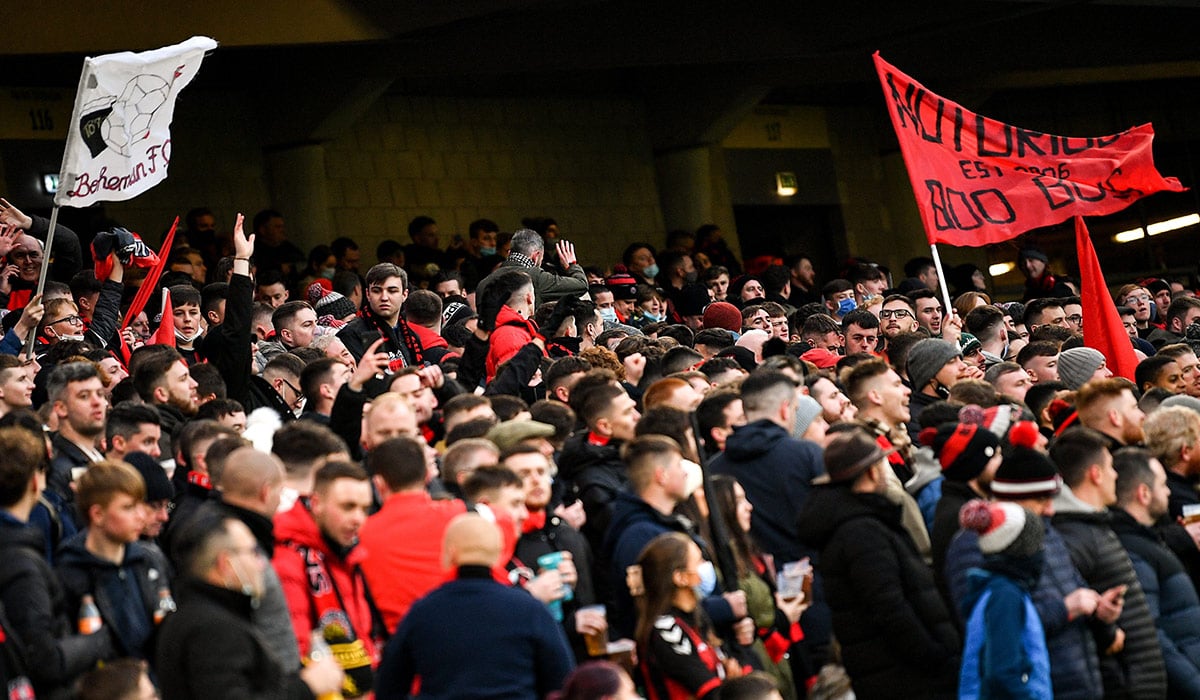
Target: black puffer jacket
[(211, 649), (897, 635), (34, 602), (1138, 670), (593, 474)]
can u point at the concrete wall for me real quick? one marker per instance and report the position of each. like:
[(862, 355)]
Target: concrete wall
[(587, 163)]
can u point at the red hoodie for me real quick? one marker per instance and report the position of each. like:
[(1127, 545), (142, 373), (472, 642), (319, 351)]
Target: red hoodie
[(512, 333)]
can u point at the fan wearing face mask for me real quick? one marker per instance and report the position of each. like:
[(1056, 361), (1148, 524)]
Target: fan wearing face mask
[(62, 320)]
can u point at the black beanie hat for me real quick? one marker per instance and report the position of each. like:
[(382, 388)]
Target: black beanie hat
[(158, 486)]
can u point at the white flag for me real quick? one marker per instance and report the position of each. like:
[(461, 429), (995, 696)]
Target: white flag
[(119, 139)]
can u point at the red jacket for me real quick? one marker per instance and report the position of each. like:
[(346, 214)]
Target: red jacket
[(512, 333), (295, 531), (405, 541), (428, 337)]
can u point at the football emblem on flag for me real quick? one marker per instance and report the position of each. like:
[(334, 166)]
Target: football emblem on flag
[(116, 122)]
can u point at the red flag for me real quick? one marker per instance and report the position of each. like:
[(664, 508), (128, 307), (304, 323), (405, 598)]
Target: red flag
[(979, 181), (165, 335), (151, 282), (1102, 327)]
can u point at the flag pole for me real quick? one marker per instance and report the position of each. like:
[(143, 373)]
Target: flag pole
[(29, 342), (937, 263)]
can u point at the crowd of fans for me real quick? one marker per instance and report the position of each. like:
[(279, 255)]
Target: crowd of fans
[(477, 472)]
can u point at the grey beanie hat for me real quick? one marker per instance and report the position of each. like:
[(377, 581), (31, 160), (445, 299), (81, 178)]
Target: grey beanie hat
[(926, 358), (1182, 400), (807, 409), (1077, 365)]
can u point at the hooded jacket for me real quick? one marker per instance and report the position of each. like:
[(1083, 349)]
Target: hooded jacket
[(1137, 671), (36, 606), (594, 474), (1074, 666), (895, 630), (302, 552), (127, 595), (1005, 652), (1172, 600), (776, 470), (634, 524), (512, 332)]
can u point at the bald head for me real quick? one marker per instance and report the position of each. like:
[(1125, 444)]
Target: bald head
[(28, 252), (471, 540), (389, 416), (250, 477)]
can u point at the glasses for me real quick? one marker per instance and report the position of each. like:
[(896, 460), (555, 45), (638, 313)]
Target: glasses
[(20, 255), (1075, 319), (1144, 298), (73, 320), (895, 313), (299, 394)]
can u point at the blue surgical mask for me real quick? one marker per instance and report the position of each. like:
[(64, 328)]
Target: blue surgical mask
[(708, 579), (650, 271), (845, 306), (484, 252), (327, 272), (652, 318), (609, 314)]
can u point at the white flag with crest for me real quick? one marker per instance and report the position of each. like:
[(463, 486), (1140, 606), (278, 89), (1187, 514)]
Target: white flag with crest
[(119, 139)]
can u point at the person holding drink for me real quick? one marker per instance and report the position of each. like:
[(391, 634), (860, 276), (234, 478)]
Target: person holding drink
[(774, 600), (678, 653)]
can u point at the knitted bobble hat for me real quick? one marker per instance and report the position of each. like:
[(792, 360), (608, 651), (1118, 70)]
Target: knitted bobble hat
[(1004, 528), (964, 449)]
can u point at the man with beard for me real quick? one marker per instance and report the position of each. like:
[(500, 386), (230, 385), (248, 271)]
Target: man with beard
[(1131, 661), (1142, 495), (1109, 407), (897, 316), (77, 394), (162, 379)]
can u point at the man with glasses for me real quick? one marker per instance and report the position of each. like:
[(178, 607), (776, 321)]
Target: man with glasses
[(1138, 299), (61, 319), (278, 387), (22, 243), (898, 315), (1073, 308)]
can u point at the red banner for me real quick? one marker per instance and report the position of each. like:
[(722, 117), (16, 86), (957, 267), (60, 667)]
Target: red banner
[(1102, 327), (979, 181)]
